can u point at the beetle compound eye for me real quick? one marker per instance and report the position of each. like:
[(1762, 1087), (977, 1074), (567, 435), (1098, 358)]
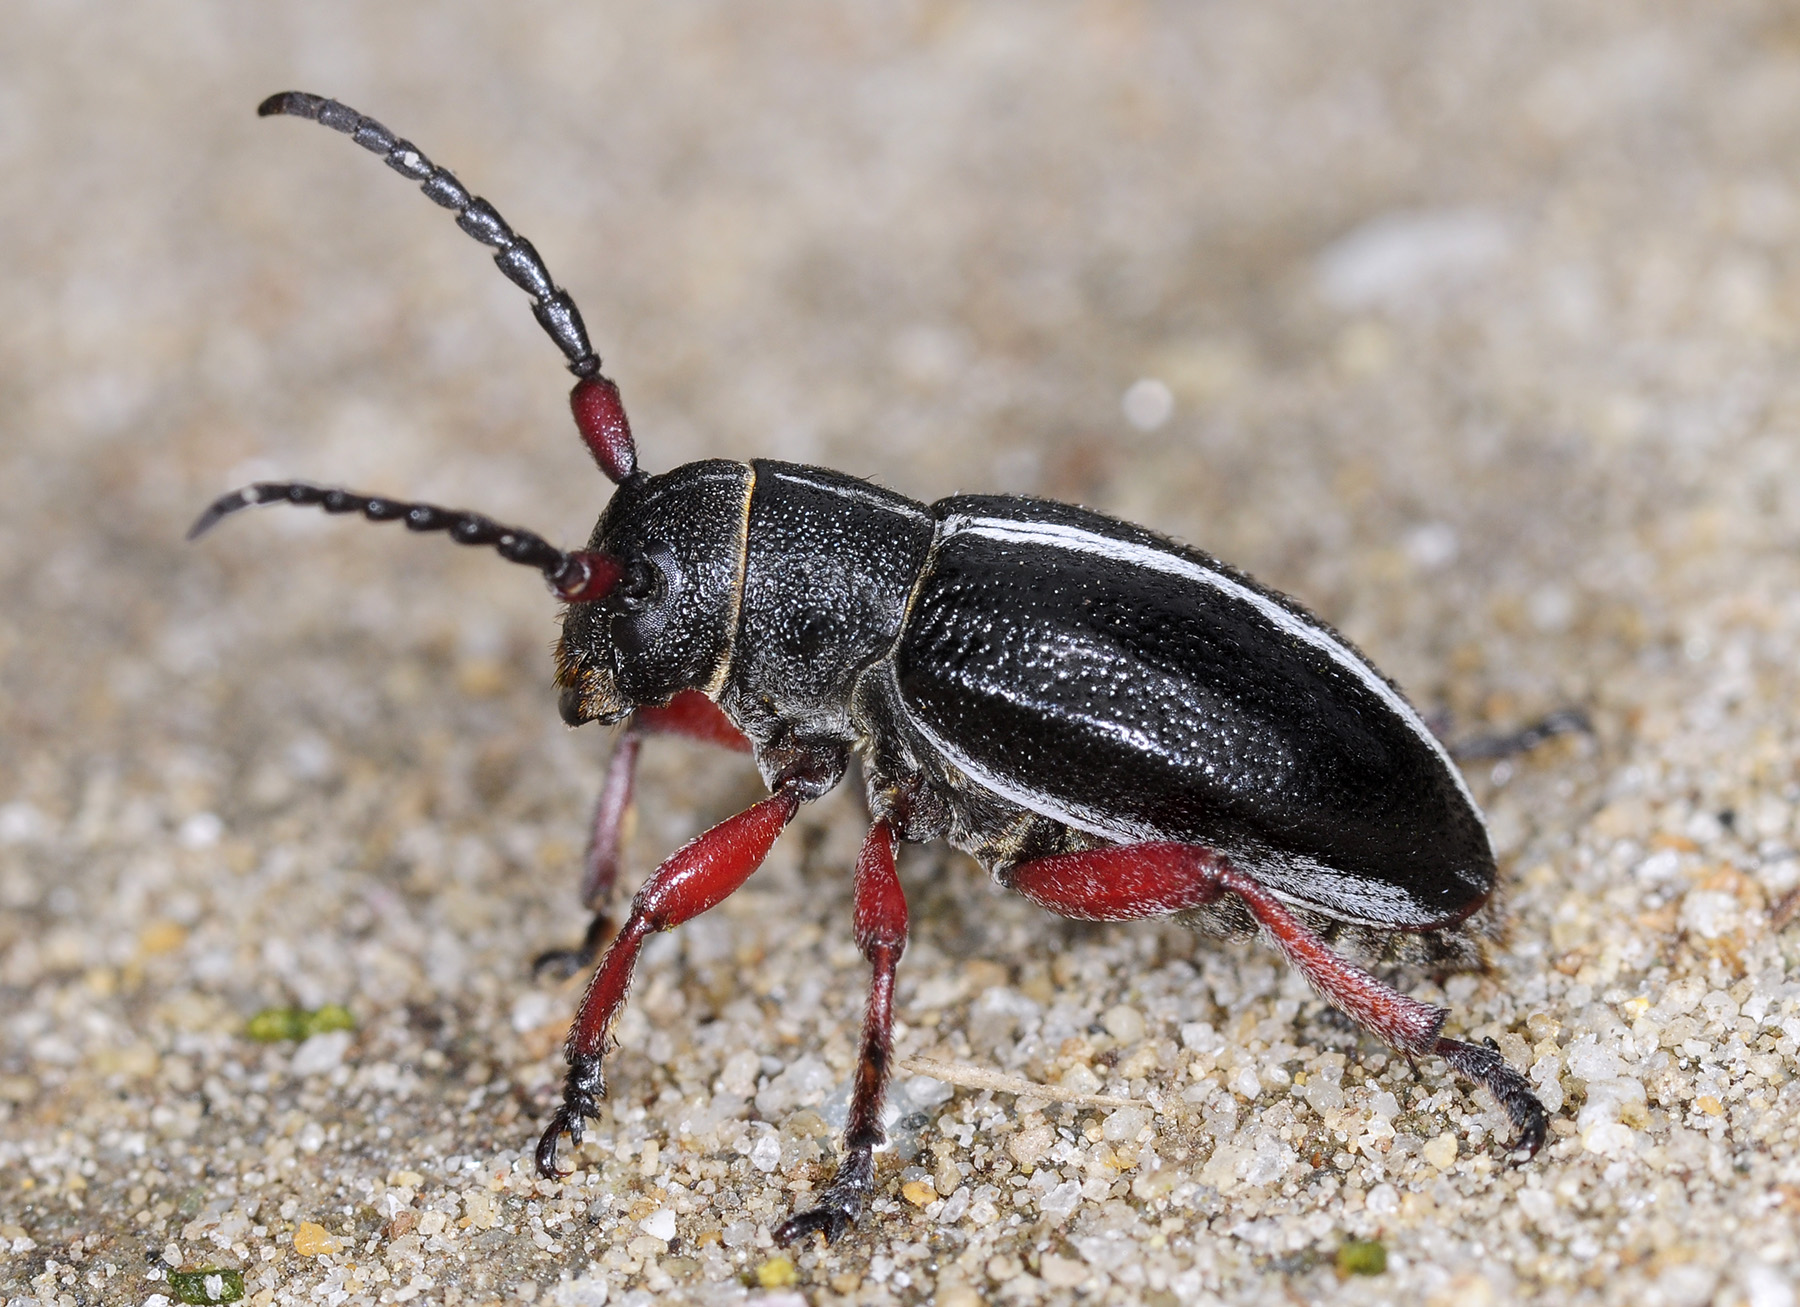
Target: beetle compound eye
[(647, 598), (649, 579), (640, 585)]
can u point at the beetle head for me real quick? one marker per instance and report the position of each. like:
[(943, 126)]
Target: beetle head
[(667, 625), (653, 603)]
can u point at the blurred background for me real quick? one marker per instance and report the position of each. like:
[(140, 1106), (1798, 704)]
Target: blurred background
[(1471, 326)]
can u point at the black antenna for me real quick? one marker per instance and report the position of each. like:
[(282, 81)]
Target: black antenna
[(555, 311), (578, 577)]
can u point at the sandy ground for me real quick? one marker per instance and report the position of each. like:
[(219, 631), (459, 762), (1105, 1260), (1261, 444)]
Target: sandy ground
[(1474, 326)]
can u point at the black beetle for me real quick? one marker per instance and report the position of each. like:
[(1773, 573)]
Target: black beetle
[(1112, 724)]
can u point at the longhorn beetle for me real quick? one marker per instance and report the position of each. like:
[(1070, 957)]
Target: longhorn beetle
[(1110, 723)]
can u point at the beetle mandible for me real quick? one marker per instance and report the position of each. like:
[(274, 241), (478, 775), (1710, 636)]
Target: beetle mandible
[(1110, 723)]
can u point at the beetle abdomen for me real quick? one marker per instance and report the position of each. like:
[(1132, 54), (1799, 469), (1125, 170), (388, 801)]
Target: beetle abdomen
[(1137, 690)]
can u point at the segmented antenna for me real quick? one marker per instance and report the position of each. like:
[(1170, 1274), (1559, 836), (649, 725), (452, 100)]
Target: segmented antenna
[(577, 577), (555, 311), (599, 412)]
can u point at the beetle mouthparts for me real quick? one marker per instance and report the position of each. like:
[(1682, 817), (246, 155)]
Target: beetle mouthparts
[(572, 704)]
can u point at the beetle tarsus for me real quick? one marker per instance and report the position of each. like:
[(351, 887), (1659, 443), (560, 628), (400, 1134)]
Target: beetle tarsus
[(1490, 748), (552, 1137), (831, 1219), (1484, 1064), (559, 964), (583, 1088), (562, 963), (839, 1206)]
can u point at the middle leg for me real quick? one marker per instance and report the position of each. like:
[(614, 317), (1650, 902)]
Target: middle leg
[(1123, 883), (881, 935)]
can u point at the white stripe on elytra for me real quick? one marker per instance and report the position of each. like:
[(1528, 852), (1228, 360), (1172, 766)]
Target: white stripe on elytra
[(1077, 540)]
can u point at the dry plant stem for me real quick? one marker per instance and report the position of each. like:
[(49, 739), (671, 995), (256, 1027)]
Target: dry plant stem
[(975, 1077)]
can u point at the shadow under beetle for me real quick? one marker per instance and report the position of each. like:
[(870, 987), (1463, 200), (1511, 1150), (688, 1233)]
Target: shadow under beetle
[(1112, 724)]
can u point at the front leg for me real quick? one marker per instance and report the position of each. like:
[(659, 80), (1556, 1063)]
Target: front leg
[(600, 866), (700, 875), (881, 935), (689, 714)]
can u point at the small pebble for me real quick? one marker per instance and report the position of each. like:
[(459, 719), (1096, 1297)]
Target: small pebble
[(313, 1240), (1124, 1124), (1003, 1267), (1062, 1272), (959, 1295), (1123, 1023), (1029, 1146), (1081, 1079), (778, 1272), (1441, 1152)]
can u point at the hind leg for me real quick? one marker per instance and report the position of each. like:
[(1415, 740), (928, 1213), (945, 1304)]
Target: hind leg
[(1153, 880), (1490, 748), (881, 936)]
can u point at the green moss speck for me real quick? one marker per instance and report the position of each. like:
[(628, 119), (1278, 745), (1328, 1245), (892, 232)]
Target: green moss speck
[(274, 1025), (1361, 1257), (208, 1285)]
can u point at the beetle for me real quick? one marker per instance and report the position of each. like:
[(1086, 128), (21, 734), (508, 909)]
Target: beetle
[(1112, 724)]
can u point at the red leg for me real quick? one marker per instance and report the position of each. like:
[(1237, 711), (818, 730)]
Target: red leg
[(689, 713), (881, 935), (692, 714), (1153, 880), (612, 811), (700, 875)]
